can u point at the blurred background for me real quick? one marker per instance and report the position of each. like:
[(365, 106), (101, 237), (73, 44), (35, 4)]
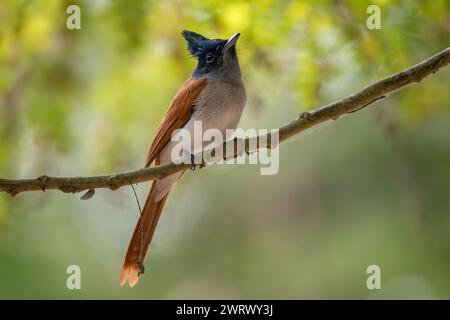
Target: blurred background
[(371, 188)]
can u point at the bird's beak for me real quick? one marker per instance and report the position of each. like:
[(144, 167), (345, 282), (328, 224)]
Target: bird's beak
[(231, 42)]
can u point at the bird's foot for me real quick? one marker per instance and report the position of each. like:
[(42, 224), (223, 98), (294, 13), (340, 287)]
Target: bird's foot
[(190, 159)]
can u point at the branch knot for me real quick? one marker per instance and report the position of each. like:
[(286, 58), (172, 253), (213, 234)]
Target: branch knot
[(43, 181), (113, 182), (305, 115)]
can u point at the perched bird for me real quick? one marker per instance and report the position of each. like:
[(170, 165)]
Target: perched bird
[(215, 95)]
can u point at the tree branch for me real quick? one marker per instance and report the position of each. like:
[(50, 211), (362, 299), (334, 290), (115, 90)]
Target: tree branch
[(333, 111)]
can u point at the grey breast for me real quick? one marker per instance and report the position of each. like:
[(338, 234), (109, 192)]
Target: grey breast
[(220, 105)]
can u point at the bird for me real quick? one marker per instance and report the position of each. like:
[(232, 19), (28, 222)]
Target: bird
[(215, 94)]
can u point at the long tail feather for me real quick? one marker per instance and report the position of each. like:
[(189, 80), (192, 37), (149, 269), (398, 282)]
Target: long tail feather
[(142, 236)]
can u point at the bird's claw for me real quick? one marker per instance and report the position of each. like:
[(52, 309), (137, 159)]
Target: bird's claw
[(191, 160), (199, 166)]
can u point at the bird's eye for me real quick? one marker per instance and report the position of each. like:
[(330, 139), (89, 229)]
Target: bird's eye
[(209, 57)]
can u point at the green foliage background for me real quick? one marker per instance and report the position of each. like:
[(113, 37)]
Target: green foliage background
[(371, 188)]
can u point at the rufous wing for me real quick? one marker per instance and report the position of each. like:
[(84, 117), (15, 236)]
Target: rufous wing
[(179, 112)]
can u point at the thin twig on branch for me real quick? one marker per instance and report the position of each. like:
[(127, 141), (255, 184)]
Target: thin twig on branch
[(350, 104)]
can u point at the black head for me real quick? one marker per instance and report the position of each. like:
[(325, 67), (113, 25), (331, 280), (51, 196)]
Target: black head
[(216, 57)]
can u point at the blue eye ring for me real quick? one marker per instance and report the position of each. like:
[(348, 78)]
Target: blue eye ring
[(209, 57)]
